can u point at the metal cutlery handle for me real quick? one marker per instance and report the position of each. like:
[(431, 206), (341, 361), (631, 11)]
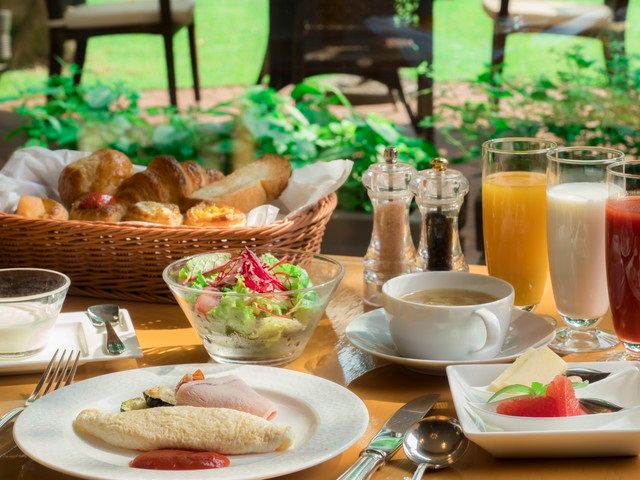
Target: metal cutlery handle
[(364, 467), (419, 473), (7, 417), (114, 344)]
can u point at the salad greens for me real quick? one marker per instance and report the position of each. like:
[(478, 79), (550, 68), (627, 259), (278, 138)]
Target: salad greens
[(238, 305)]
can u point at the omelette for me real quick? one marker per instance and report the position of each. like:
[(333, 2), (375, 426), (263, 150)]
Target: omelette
[(221, 430)]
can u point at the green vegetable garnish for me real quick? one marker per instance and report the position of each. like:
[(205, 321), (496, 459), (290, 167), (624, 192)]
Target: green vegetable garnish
[(536, 389)]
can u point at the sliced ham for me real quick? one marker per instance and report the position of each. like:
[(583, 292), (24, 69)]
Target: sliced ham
[(225, 392)]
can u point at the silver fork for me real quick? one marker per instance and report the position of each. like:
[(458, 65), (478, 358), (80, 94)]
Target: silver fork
[(59, 372)]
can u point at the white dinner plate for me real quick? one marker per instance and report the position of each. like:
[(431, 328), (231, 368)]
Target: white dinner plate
[(73, 330), (619, 437), (326, 419), (370, 332)]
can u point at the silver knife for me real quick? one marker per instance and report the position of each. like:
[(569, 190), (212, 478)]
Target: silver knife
[(389, 439)]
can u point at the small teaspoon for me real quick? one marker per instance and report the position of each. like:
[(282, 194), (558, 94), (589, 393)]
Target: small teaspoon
[(100, 315)]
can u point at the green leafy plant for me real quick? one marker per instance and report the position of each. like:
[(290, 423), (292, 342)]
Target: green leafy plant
[(313, 123), (583, 104)]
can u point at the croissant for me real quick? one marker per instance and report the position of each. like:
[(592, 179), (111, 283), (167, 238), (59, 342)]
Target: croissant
[(166, 181)]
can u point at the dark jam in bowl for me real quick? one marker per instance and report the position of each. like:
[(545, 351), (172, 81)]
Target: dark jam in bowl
[(623, 266), (179, 460), (27, 282)]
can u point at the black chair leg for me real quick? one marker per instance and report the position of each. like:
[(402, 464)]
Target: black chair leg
[(171, 70), (81, 53), (194, 61), (56, 51), (425, 106), (497, 48)]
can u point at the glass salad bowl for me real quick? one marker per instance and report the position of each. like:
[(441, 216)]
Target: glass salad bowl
[(254, 306)]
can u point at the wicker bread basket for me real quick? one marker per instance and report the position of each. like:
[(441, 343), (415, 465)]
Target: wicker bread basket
[(125, 262)]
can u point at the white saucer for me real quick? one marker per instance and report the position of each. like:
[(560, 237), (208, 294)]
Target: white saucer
[(370, 332), (73, 330)]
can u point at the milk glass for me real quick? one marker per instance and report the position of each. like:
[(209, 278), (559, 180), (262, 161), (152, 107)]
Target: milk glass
[(576, 199)]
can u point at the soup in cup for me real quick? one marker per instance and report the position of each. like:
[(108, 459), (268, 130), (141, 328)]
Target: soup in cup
[(448, 315)]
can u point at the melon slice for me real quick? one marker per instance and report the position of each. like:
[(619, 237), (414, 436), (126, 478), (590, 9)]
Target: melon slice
[(559, 401)]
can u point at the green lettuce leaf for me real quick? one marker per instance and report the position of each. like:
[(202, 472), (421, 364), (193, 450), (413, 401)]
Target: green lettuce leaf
[(203, 263), (236, 314), (268, 259), (270, 329), (292, 276)]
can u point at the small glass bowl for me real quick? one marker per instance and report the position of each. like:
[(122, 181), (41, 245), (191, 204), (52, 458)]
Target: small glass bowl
[(30, 301), (245, 334)]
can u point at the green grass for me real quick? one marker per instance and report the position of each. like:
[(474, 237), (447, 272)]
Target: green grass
[(232, 40)]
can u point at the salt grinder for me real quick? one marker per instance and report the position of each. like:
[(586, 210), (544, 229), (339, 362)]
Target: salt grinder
[(439, 193), (391, 251)]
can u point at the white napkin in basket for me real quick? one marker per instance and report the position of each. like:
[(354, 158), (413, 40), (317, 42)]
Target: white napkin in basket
[(33, 171)]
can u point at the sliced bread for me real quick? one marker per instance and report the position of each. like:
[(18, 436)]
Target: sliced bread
[(248, 187)]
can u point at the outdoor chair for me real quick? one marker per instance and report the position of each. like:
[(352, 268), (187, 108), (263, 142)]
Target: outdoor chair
[(357, 37), (75, 20), (606, 21)]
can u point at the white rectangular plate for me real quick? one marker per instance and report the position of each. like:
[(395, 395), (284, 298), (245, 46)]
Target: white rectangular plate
[(73, 330), (619, 438)]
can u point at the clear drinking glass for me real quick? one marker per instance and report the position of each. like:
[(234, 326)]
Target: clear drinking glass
[(622, 220), (514, 214), (576, 198)]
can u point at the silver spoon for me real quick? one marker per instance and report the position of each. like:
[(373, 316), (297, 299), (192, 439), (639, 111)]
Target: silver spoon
[(433, 443), (105, 315)]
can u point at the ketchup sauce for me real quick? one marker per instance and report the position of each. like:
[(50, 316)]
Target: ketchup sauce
[(179, 460), (623, 266)]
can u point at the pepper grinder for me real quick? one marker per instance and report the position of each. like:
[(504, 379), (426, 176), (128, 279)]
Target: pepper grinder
[(439, 194), (391, 251)]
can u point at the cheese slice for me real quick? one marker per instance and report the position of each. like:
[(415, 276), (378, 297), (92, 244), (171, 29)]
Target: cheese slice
[(535, 365)]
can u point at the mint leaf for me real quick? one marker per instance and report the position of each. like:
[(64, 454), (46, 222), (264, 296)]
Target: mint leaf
[(510, 389)]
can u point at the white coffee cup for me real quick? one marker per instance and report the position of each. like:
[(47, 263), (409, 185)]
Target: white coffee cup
[(448, 332)]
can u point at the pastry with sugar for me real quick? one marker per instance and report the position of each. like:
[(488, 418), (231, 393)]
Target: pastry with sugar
[(97, 207), (210, 214), (154, 212)]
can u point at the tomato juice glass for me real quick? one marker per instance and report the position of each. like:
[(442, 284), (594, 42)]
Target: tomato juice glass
[(623, 252)]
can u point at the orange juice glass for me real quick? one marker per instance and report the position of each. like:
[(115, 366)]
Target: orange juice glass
[(514, 214)]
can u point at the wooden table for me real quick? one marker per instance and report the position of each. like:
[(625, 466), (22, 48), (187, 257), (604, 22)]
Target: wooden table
[(167, 338)]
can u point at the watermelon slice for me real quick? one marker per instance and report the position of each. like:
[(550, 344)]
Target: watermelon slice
[(562, 391), (559, 401), (529, 407)]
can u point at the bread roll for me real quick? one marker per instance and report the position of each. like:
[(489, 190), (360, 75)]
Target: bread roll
[(154, 212), (210, 214), (166, 181), (102, 171), (97, 207), (250, 186), (36, 207)]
